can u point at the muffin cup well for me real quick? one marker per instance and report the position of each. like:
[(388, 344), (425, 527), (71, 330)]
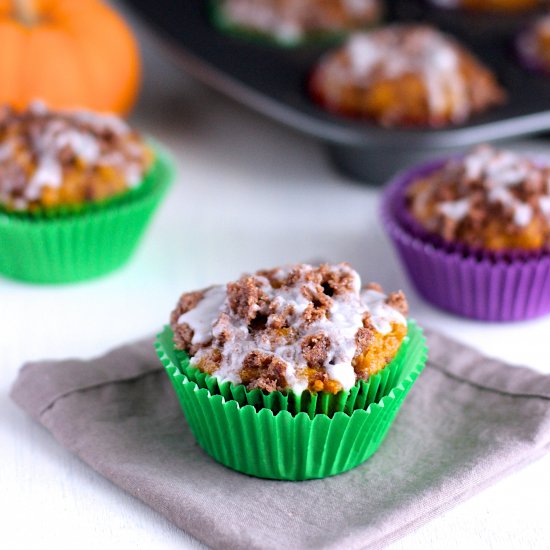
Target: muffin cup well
[(359, 397), (478, 284), (68, 246), (279, 445)]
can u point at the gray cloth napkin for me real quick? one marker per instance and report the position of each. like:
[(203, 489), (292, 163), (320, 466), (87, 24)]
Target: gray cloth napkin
[(467, 422)]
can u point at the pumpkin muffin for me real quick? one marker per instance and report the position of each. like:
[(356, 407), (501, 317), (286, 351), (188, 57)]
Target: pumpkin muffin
[(473, 233), (77, 191), (489, 5), (404, 75), (292, 329), (290, 21), (52, 159), (490, 199), (292, 373)]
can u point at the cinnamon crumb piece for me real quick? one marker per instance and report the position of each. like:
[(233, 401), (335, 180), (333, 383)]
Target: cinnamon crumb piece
[(244, 297), (264, 371), (398, 301), (315, 348), (363, 338)]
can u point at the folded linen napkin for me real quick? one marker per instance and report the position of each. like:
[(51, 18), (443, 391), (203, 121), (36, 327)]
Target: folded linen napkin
[(468, 421)]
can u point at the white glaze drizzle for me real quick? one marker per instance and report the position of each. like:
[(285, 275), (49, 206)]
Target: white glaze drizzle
[(500, 171), (455, 210), (212, 317), (201, 317)]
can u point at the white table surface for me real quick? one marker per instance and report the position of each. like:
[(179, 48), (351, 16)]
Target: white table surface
[(250, 194)]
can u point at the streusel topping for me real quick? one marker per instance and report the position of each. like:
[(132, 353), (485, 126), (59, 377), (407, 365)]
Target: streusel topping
[(287, 328)]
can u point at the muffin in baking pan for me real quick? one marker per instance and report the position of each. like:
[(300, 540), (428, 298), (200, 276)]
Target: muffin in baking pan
[(291, 22), (404, 75)]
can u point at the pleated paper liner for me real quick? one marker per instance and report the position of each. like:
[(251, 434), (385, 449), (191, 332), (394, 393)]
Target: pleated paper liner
[(483, 285), (280, 445), (310, 38), (65, 245), (359, 397)]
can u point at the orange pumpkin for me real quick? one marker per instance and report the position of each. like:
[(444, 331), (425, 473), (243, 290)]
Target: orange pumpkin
[(68, 53)]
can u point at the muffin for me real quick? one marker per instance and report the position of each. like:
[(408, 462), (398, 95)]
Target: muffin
[(490, 5), (77, 190), (291, 21), (404, 75), (474, 233), (288, 352), (533, 45)]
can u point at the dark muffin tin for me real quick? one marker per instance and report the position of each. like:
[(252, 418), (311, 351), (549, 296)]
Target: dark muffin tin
[(273, 80)]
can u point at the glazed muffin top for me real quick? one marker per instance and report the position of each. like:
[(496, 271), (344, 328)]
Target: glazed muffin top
[(404, 75), (50, 159), (291, 20), (490, 198), (293, 328)]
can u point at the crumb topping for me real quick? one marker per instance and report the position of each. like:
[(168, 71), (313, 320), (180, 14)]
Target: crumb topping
[(290, 20), (52, 158), (489, 198), (287, 328)]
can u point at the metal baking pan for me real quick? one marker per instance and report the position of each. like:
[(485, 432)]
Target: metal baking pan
[(272, 80)]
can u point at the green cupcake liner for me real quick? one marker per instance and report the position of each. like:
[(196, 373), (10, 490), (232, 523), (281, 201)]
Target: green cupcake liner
[(283, 446), (67, 246), (359, 397), (315, 38)]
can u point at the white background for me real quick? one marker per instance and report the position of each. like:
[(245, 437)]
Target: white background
[(250, 194)]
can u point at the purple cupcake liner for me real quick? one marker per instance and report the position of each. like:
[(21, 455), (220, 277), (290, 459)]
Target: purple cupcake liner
[(482, 285)]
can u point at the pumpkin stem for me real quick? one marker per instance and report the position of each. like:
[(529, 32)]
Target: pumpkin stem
[(25, 11)]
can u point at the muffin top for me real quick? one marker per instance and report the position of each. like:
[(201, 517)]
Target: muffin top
[(291, 328), (404, 75), (50, 159), (290, 20), (490, 198)]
